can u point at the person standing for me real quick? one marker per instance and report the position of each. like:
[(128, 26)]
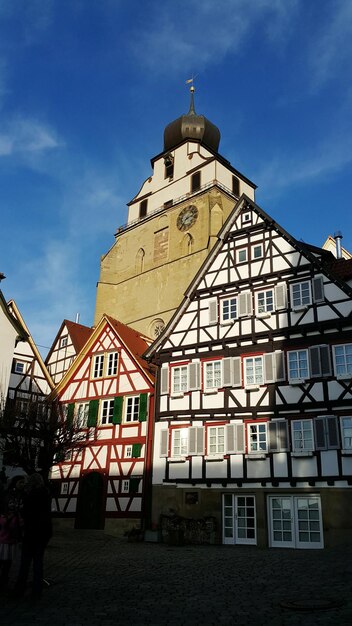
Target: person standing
[(10, 527), (36, 534)]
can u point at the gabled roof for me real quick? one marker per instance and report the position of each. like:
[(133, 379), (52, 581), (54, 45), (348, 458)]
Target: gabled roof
[(15, 310), (17, 325), (79, 335), (134, 342), (324, 262)]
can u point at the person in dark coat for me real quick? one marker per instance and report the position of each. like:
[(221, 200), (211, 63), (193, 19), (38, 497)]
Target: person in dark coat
[(11, 524), (36, 534)]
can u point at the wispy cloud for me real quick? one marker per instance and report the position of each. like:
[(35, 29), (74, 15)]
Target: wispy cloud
[(20, 136)]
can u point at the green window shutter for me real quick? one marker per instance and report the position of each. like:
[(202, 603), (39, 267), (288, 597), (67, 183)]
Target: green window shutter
[(143, 401), (134, 485), (117, 417), (93, 413), (136, 450), (70, 413)]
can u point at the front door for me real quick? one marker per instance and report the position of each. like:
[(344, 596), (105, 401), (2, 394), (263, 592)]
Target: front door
[(295, 522), (90, 504), (239, 519)]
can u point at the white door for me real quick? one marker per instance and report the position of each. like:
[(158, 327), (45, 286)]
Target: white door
[(239, 519), (295, 522)]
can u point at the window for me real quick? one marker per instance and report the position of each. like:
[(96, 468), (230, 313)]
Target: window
[(216, 440), (242, 255), (229, 309), (346, 433), (326, 433), (301, 294), (98, 366), (112, 363), (298, 365), (125, 487), (128, 452), (169, 166), (265, 301), (343, 360), (143, 208), (179, 379), (302, 436), (19, 367), (235, 186), (179, 442), (212, 378), (107, 412), (63, 342), (132, 409), (195, 182), (246, 218), (82, 414), (257, 438), (253, 370), (257, 251)]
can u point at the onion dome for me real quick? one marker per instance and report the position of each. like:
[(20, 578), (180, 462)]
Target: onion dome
[(191, 126)]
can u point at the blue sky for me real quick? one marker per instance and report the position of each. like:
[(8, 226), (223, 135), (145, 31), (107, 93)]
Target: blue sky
[(87, 87)]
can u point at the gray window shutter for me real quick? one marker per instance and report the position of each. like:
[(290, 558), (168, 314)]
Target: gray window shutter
[(269, 365), (281, 296), (318, 289), (237, 371), (213, 311), (332, 432), (164, 442), (164, 380), (315, 368), (282, 435), (279, 365), (194, 376), (277, 436), (273, 436), (319, 429), (325, 360), (245, 304), (230, 439), (239, 429), (195, 440), (227, 372)]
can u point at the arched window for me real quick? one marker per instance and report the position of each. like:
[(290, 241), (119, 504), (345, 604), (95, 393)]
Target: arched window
[(187, 244), (140, 261)]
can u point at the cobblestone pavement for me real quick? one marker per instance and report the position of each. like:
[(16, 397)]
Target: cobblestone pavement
[(100, 580)]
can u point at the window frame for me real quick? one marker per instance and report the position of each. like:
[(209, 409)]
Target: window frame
[(109, 410), (179, 443), (98, 365), (260, 428), (219, 432), (111, 368), (345, 374), (231, 318), (265, 307), (183, 382), (254, 257), (301, 305), (81, 416), (238, 252), (134, 402), (195, 177), (344, 448), (300, 378), (22, 368), (255, 382), (302, 450), (211, 388)]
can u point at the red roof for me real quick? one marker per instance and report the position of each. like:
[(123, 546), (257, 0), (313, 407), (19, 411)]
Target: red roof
[(135, 342), (341, 268), (79, 334)]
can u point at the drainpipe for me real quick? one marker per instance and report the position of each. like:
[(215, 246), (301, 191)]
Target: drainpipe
[(338, 237)]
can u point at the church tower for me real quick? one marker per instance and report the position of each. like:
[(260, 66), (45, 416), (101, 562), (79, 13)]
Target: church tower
[(172, 224)]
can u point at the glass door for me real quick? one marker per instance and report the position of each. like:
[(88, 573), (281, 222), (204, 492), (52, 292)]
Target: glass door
[(239, 519), (295, 522)]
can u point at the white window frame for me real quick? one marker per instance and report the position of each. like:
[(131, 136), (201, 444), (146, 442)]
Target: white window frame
[(213, 377), (125, 485), (179, 443), (300, 370), (107, 412), (299, 305), (256, 381), (257, 438), (348, 427), (216, 441), (63, 341), (128, 451), (131, 409), (238, 253), (265, 309), (259, 256), (182, 383), (82, 411), (345, 374), (298, 435), (232, 314), (112, 363), (98, 365), (22, 367), (246, 218)]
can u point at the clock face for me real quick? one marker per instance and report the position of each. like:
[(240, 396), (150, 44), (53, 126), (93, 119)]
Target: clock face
[(187, 217)]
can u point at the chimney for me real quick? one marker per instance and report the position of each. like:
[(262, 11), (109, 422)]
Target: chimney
[(338, 237)]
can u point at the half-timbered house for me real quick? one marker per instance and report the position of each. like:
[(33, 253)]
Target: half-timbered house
[(67, 344), (108, 390), (253, 422)]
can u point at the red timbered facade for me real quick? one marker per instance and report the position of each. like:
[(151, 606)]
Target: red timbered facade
[(108, 390), (253, 421)]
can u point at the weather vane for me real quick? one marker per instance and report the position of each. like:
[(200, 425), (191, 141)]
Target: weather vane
[(191, 82)]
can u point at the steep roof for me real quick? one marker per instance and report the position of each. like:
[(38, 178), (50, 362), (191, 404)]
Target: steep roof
[(79, 335)]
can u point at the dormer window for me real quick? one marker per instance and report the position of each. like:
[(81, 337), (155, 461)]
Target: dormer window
[(169, 166), (195, 182), (143, 208)]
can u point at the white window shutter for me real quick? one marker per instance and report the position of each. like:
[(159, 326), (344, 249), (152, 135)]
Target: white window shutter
[(279, 365), (227, 372), (245, 304), (193, 376), (269, 367), (318, 289), (164, 380), (240, 446), (281, 296), (230, 439), (195, 440), (213, 311), (164, 442), (237, 371)]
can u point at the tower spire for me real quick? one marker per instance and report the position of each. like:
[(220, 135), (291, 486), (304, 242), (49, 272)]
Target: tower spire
[(192, 89)]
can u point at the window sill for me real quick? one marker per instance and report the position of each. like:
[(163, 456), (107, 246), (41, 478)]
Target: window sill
[(262, 316), (343, 377), (214, 457), (255, 456), (208, 392), (297, 381), (302, 453), (227, 322), (346, 452), (177, 395), (176, 459), (252, 388), (298, 309)]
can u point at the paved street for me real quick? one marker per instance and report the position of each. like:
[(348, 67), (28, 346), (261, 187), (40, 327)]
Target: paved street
[(101, 580)]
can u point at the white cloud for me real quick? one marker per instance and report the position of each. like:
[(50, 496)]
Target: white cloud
[(21, 136)]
